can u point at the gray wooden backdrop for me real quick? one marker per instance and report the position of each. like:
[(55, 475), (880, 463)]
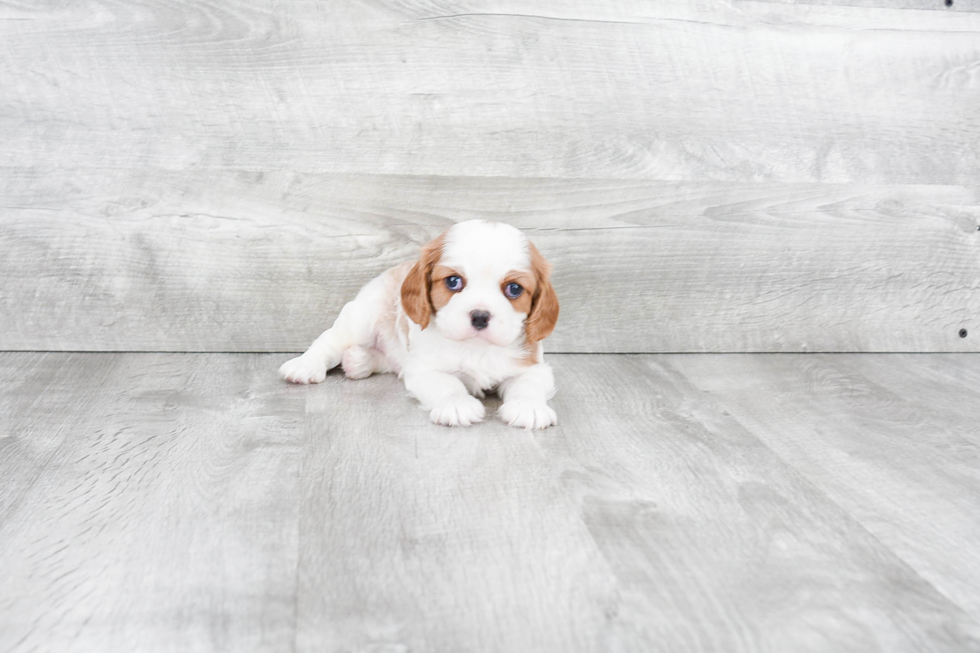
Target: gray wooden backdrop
[(705, 175)]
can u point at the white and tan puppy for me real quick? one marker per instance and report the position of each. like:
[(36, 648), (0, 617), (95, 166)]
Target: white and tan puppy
[(468, 317)]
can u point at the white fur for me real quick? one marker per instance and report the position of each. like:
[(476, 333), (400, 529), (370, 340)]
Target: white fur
[(448, 365)]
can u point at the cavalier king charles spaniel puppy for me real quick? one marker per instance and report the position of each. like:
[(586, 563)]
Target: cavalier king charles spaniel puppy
[(468, 317)]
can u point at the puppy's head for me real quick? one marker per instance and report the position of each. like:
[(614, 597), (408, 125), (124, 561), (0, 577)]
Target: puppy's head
[(482, 280)]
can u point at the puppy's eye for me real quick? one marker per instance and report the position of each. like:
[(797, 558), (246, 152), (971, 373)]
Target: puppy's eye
[(513, 290), (454, 283)]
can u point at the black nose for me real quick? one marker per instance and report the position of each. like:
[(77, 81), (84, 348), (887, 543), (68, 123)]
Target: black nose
[(479, 319)]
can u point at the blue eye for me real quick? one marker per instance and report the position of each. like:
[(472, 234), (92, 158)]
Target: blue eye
[(454, 283), (513, 290)]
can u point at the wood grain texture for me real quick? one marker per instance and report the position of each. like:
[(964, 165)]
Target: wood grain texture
[(679, 90), (919, 5), (703, 524), (161, 502), (418, 538), (747, 176), (234, 261), (893, 440), (147, 503)]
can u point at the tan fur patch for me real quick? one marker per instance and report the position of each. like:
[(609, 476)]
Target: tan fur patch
[(526, 279), (416, 289), (544, 304), (439, 293)]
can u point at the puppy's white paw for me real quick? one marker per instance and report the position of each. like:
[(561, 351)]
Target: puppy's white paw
[(458, 410), (303, 370), (527, 414)]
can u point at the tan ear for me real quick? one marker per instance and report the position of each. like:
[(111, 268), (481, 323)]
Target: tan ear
[(544, 305), (415, 288)]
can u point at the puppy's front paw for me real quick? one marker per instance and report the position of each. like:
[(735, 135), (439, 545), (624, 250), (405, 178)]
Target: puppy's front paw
[(527, 414), (303, 370), (458, 410)]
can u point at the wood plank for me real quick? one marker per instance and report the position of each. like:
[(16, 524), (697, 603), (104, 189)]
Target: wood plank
[(677, 90), (416, 537), (229, 261), (918, 5), (715, 543), (147, 503), (894, 440)]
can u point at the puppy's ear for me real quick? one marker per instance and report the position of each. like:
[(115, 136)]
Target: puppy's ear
[(415, 289), (544, 305)]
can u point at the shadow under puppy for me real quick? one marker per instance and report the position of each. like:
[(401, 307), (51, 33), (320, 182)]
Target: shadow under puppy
[(468, 317)]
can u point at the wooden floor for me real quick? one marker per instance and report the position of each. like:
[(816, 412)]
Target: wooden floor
[(193, 502)]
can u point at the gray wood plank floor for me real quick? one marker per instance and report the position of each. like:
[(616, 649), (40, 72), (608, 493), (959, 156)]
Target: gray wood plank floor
[(164, 502)]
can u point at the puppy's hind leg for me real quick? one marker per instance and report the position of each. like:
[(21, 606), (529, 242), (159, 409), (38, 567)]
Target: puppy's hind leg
[(352, 327), (361, 362)]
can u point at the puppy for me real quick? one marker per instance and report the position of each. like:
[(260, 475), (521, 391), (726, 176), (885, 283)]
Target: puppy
[(468, 317)]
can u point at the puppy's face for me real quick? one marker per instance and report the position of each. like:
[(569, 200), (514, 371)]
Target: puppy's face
[(482, 280)]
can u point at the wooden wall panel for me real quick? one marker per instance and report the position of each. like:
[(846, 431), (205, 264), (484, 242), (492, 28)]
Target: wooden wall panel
[(707, 176), (675, 90), (233, 261), (919, 5)]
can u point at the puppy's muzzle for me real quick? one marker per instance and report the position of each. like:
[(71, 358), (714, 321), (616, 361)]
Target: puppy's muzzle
[(479, 319)]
